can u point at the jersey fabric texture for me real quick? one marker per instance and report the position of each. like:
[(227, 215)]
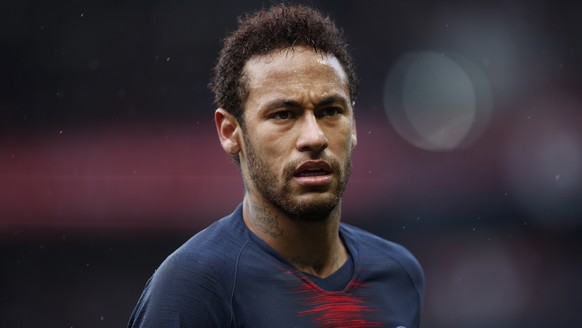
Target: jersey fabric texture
[(225, 276)]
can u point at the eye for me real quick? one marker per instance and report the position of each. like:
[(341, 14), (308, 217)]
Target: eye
[(283, 115), (331, 111)]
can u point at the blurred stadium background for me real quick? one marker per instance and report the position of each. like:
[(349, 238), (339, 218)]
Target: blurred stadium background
[(470, 151)]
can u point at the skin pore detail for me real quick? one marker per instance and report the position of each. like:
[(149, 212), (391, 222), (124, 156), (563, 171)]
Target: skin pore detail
[(266, 221)]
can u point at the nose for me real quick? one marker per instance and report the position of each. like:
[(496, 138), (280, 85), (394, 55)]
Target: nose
[(311, 136)]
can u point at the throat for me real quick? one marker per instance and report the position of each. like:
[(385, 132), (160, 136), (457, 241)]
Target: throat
[(317, 268), (314, 247), (337, 280), (321, 266)]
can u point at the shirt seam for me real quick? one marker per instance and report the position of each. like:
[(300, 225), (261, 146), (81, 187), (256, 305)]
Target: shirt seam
[(235, 278)]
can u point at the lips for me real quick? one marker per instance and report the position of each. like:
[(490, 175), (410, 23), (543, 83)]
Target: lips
[(313, 173), (312, 168)]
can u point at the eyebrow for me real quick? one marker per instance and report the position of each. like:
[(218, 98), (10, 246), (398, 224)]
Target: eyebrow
[(332, 99)]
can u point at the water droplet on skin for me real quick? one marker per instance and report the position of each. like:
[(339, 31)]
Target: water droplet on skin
[(168, 59)]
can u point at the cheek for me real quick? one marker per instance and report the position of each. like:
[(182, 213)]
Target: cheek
[(342, 136), (271, 150), (275, 143)]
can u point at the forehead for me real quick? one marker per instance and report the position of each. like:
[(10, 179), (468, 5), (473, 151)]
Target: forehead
[(295, 69)]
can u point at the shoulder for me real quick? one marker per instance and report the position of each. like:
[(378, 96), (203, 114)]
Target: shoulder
[(194, 284), (209, 252), (372, 242), (369, 244), (218, 245), (208, 256)]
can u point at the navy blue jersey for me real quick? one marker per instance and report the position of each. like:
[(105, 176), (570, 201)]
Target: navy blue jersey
[(225, 276)]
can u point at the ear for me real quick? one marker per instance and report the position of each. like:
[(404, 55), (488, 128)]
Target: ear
[(354, 134), (228, 130)]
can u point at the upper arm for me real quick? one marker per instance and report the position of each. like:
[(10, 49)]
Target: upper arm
[(184, 292)]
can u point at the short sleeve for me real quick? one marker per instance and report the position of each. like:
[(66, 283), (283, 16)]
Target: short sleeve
[(183, 292)]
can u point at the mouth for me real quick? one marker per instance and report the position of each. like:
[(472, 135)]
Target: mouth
[(313, 173)]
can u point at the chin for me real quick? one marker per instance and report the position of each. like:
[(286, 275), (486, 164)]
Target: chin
[(313, 210)]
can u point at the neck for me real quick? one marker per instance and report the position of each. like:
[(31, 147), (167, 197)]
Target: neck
[(311, 246)]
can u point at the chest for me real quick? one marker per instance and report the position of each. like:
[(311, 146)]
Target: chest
[(276, 296)]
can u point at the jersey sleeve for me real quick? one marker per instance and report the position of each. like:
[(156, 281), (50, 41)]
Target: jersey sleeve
[(183, 292), (413, 268)]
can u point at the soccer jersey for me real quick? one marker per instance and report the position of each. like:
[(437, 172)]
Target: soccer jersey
[(225, 276)]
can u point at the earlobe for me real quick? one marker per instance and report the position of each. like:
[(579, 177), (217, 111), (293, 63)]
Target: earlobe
[(354, 134), (228, 131)]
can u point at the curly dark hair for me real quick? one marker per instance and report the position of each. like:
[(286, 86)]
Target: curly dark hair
[(282, 26)]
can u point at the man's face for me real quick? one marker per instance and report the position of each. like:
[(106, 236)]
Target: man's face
[(298, 132)]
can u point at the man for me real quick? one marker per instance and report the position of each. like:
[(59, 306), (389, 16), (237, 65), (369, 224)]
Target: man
[(285, 86)]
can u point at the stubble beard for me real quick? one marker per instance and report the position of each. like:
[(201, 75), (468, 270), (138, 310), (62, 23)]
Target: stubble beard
[(278, 193)]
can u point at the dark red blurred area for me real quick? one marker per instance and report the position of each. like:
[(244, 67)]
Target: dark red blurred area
[(118, 176)]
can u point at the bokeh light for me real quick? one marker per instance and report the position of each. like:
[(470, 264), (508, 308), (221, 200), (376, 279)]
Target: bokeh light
[(544, 162), (481, 286), (435, 102)]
